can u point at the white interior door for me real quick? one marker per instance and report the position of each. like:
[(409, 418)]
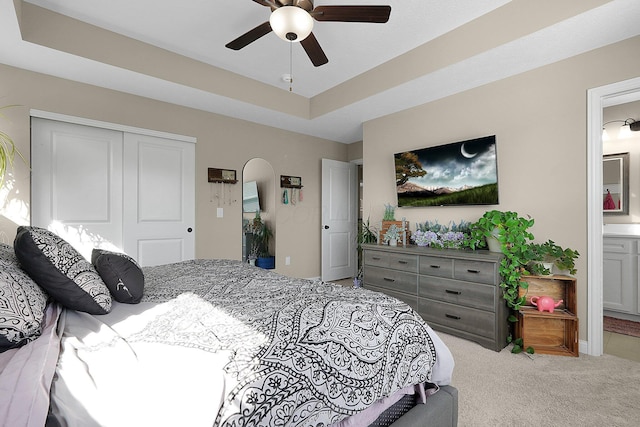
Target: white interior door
[(339, 219), (159, 199), (76, 188)]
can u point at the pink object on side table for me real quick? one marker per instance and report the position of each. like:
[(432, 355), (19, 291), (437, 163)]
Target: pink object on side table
[(545, 303)]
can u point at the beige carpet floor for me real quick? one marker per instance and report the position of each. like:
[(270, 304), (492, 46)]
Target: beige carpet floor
[(505, 389)]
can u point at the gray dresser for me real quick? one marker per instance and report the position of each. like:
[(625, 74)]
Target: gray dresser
[(455, 291)]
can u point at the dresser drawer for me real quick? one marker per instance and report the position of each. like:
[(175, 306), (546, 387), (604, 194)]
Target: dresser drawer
[(404, 262), (465, 319), (411, 300), (436, 266), (473, 295), (475, 271), (394, 280)]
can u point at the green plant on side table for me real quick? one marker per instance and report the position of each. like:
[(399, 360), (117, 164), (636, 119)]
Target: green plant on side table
[(514, 238), (552, 254)]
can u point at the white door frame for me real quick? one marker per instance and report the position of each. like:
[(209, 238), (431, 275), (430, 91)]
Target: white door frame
[(597, 99)]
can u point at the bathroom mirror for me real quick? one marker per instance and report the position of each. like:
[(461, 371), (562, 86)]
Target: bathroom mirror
[(615, 184)]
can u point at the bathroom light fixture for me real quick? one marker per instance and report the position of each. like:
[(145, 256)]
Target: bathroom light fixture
[(291, 23), (628, 126)]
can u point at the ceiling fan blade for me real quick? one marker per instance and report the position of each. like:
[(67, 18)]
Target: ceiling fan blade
[(274, 4), (375, 14), (250, 36), (314, 51)]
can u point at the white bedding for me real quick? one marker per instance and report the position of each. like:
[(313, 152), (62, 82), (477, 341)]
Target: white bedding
[(218, 342)]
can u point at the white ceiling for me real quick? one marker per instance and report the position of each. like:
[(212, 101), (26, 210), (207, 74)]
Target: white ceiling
[(199, 29)]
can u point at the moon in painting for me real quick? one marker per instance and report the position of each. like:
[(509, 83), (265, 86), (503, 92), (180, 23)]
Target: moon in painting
[(466, 153)]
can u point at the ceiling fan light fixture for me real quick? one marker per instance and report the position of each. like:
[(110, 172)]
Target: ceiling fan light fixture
[(291, 23)]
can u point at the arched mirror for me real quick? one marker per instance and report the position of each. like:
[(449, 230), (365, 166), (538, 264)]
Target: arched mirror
[(258, 213)]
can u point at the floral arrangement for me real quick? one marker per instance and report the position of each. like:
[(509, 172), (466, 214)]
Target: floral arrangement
[(393, 233), (435, 235)]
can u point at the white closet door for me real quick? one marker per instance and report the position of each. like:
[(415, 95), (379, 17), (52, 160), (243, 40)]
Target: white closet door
[(115, 190), (159, 199), (77, 183)]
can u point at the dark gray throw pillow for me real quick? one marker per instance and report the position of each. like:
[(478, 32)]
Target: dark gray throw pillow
[(121, 273), (61, 271), (22, 303)]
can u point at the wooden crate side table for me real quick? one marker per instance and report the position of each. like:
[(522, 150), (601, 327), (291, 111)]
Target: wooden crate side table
[(549, 333)]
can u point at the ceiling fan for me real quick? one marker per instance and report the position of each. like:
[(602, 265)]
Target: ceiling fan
[(292, 20)]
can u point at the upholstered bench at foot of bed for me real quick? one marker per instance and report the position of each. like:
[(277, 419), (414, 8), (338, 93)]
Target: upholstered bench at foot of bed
[(441, 410)]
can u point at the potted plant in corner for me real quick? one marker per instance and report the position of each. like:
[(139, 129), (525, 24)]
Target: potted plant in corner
[(8, 151), (514, 238), (261, 236), (366, 234)]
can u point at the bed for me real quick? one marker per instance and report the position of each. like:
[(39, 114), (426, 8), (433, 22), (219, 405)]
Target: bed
[(212, 342)]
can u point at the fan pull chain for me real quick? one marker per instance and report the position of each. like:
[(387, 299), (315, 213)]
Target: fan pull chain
[(290, 67)]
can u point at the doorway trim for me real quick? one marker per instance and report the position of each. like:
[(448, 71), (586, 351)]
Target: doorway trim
[(107, 125), (597, 99)]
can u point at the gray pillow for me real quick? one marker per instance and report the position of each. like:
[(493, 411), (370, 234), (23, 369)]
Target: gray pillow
[(61, 271), (22, 303), (121, 273)]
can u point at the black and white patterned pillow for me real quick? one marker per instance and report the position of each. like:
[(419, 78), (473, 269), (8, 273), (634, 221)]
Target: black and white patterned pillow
[(58, 268), (22, 303), (121, 273)]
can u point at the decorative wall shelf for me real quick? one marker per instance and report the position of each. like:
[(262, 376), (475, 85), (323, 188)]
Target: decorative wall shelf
[(226, 176), (290, 181)]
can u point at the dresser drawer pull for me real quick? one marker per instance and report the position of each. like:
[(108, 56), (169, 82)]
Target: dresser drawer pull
[(449, 291), (386, 279), (402, 262), (434, 266), (451, 316), (473, 271), (375, 258)]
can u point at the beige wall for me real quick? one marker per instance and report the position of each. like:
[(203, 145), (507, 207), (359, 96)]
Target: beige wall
[(222, 142), (629, 145), (540, 121)]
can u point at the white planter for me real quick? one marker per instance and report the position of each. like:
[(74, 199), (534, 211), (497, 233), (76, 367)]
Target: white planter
[(492, 242), (393, 242)]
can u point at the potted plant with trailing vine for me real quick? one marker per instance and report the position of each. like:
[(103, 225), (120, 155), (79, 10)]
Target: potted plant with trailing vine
[(514, 238), (546, 255)]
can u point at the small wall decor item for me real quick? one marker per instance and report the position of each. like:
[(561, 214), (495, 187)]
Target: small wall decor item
[(225, 176), (287, 181)]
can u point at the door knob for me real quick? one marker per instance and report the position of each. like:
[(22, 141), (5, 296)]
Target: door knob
[(189, 230), (326, 227)]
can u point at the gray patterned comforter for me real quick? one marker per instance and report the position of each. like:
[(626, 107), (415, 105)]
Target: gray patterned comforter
[(301, 352)]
